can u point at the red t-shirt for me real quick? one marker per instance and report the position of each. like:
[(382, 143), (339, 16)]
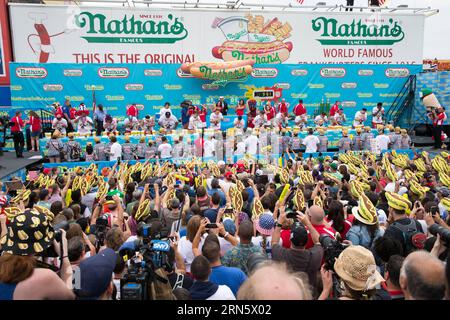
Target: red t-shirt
[(286, 237), (240, 112), (321, 229), (199, 145), (282, 108), (73, 113), (202, 115), (299, 110), (132, 111), (271, 113), (347, 226), (334, 109), (35, 124), (18, 124)]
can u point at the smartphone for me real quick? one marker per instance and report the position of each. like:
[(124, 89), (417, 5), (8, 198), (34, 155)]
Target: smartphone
[(118, 161), (211, 226), (434, 210), (228, 210)]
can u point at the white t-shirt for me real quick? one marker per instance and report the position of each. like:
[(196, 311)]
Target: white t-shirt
[(185, 250), (379, 117), (222, 293), (319, 117), (215, 118), (240, 148), (209, 148), (60, 125), (168, 123), (259, 120), (251, 145), (382, 141), (116, 151), (311, 142), (195, 123), (359, 119), (238, 123), (165, 150), (162, 112), (84, 125)]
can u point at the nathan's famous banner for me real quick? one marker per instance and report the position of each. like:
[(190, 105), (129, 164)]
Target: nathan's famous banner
[(150, 86), (73, 34)]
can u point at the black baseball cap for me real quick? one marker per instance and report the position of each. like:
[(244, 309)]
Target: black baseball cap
[(299, 235)]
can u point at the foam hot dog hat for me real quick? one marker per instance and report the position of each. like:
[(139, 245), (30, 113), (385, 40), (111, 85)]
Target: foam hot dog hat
[(429, 99)]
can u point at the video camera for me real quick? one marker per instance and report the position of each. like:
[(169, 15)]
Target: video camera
[(331, 251), (153, 253), (437, 229), (101, 228)]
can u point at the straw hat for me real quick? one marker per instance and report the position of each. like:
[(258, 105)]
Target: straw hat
[(397, 129), (356, 267), (367, 128)]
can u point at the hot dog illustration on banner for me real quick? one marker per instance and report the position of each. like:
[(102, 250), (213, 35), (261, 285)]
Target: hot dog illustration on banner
[(40, 43), (221, 72), (253, 38)]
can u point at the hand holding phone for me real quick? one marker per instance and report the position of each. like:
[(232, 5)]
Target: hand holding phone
[(211, 226)]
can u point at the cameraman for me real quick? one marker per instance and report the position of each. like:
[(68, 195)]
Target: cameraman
[(23, 274), (297, 257)]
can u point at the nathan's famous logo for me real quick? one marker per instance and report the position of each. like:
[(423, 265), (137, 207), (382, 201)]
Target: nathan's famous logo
[(357, 32), (253, 38), (264, 72), (134, 87), (130, 29), (31, 72), (53, 87), (220, 72), (396, 72), (113, 72), (332, 72)]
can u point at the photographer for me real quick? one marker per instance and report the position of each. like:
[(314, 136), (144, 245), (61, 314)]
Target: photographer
[(297, 257), (357, 271), (23, 274)]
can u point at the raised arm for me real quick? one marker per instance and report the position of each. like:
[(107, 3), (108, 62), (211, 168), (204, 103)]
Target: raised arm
[(195, 244)]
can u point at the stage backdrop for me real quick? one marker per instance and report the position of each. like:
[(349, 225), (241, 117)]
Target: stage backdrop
[(147, 35), (150, 86)]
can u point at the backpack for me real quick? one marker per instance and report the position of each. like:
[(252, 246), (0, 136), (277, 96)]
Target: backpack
[(413, 239), (160, 287), (74, 151)]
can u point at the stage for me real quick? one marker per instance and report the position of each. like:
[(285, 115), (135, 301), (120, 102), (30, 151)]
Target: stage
[(10, 165)]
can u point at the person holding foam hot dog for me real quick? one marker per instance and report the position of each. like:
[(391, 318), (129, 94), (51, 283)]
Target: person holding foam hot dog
[(222, 105)]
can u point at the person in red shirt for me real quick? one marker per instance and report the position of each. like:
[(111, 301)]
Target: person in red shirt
[(438, 116), (336, 218), (35, 130), (335, 108), (202, 113), (132, 111), (17, 125), (300, 113), (240, 108), (317, 217), (283, 107), (270, 111), (251, 113)]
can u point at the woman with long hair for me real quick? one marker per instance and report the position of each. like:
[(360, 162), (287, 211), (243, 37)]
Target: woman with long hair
[(54, 147), (336, 218), (240, 108), (35, 130)]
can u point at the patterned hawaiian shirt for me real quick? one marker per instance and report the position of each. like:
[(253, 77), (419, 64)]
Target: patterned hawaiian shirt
[(238, 256)]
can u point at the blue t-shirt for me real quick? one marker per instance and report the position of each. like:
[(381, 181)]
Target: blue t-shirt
[(229, 276), (223, 197), (211, 214), (184, 115), (251, 194), (66, 110)]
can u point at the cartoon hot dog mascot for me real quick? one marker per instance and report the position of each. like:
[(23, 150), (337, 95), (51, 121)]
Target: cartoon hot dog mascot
[(253, 38)]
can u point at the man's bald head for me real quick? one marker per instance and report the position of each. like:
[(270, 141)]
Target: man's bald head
[(317, 214), (274, 282), (422, 277)]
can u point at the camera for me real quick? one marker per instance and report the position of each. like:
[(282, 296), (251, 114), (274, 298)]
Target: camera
[(154, 249), (331, 250), (64, 225), (437, 229), (101, 228)]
